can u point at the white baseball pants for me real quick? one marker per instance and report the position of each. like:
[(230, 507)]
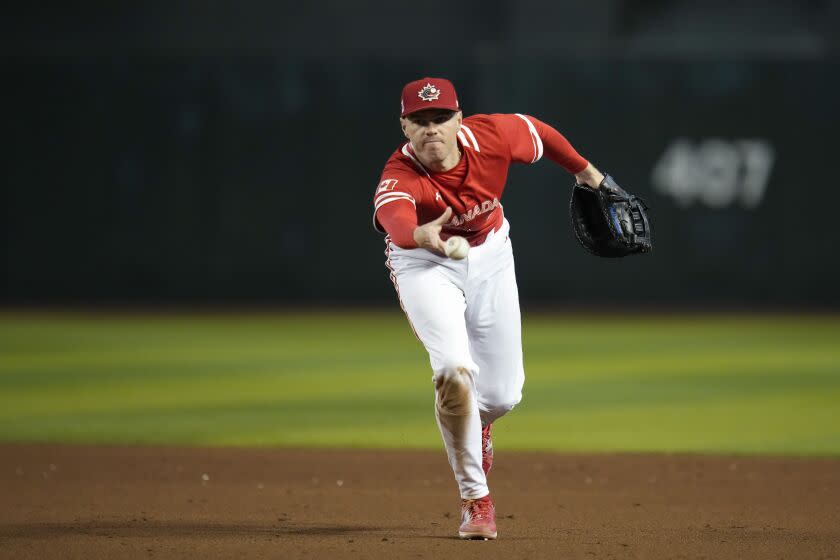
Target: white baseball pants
[(466, 314)]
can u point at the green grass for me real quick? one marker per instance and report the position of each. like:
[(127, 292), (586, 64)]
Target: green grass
[(711, 383)]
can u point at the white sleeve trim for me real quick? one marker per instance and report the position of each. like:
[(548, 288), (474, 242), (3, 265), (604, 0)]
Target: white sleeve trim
[(535, 138), (389, 193), (392, 198)]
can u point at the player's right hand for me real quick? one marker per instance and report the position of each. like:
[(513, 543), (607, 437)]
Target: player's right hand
[(427, 236)]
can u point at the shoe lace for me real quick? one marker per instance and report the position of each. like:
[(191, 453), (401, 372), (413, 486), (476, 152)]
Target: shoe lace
[(480, 509)]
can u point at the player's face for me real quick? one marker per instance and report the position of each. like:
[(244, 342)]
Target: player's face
[(433, 134)]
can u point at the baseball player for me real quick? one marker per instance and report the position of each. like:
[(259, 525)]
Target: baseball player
[(447, 180)]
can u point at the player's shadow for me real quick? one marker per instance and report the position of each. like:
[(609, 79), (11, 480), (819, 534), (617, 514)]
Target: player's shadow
[(150, 528)]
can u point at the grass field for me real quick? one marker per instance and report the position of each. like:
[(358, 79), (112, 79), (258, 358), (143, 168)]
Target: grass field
[(708, 383)]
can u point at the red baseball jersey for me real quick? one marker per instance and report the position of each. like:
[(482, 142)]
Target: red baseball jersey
[(489, 144)]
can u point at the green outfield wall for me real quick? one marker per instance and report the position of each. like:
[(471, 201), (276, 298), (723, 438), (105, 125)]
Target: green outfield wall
[(148, 168)]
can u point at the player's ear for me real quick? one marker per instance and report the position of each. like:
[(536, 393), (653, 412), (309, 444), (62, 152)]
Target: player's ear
[(460, 117), (403, 123)]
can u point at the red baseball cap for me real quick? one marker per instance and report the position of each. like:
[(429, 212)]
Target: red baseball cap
[(428, 93)]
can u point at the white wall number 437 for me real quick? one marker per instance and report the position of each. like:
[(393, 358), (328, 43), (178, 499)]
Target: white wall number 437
[(715, 172)]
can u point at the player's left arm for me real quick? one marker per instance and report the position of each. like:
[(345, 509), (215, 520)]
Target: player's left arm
[(530, 138), (590, 176)]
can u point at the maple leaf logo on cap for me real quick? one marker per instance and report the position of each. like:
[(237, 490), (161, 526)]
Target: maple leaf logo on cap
[(428, 93)]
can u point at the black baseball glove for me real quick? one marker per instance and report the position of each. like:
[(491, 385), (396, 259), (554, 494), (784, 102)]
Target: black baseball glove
[(609, 221)]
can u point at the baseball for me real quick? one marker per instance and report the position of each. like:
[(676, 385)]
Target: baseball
[(457, 247)]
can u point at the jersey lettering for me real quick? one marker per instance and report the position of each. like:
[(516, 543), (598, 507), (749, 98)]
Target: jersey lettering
[(474, 212)]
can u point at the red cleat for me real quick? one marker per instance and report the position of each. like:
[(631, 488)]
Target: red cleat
[(478, 519), (486, 449)]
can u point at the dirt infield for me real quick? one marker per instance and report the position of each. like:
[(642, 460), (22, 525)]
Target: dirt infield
[(157, 502)]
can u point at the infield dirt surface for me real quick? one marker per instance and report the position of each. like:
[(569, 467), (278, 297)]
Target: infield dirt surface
[(167, 502)]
